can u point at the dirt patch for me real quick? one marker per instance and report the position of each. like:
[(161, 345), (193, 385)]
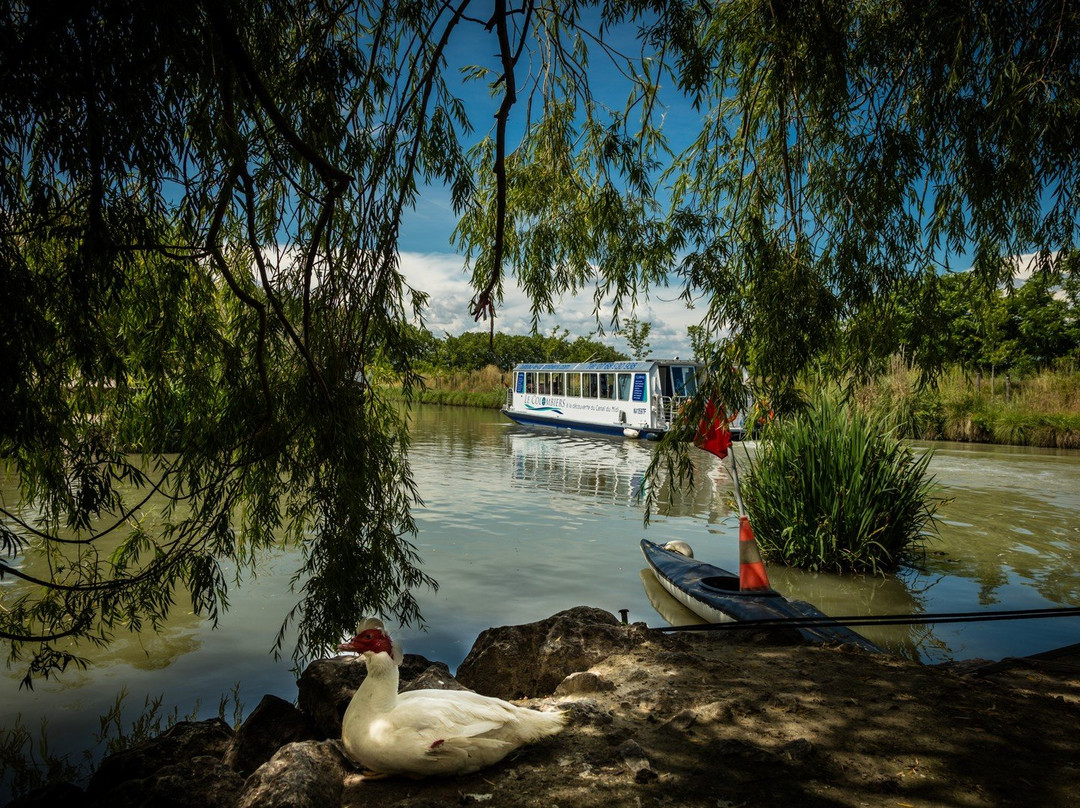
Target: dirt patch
[(707, 723)]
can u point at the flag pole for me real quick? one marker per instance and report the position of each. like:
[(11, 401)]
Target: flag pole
[(735, 480)]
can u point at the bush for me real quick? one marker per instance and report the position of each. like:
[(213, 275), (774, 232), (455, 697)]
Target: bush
[(833, 489)]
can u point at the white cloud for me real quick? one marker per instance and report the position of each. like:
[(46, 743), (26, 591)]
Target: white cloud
[(1026, 264), (443, 277)]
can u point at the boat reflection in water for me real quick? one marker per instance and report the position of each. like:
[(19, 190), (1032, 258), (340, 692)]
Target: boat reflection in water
[(609, 469), (666, 606), (600, 469)]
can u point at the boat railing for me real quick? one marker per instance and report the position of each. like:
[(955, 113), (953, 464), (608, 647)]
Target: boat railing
[(670, 406), (509, 398)]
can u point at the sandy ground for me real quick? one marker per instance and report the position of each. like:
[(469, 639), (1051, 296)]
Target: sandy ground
[(694, 721)]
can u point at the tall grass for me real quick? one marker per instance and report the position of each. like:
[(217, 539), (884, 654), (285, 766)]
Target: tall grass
[(472, 388), (833, 489), (1038, 410)]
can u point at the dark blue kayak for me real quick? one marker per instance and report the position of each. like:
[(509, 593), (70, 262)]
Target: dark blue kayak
[(713, 594)]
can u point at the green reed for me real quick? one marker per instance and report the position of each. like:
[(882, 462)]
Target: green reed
[(833, 489)]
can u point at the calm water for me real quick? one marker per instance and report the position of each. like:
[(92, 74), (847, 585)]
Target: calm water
[(517, 525)]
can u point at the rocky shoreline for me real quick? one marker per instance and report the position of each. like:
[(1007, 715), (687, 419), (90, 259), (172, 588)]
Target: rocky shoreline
[(654, 719)]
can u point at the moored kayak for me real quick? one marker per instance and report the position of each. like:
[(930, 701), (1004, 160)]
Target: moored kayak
[(713, 594)]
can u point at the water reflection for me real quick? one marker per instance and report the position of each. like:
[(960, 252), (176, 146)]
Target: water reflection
[(612, 470), (145, 649), (1009, 534), (609, 469)]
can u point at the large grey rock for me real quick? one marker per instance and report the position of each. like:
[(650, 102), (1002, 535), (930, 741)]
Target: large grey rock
[(436, 677), (271, 725), (325, 688), (308, 774), (515, 662), (199, 782), (180, 743), (49, 796)]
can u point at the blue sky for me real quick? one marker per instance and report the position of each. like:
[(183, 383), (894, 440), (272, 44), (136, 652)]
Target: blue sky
[(430, 263)]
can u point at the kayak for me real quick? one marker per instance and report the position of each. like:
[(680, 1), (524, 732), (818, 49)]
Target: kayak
[(713, 594)]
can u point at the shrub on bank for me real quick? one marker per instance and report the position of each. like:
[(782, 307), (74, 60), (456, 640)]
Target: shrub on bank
[(834, 489)]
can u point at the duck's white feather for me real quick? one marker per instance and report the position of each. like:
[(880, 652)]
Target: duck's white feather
[(433, 732)]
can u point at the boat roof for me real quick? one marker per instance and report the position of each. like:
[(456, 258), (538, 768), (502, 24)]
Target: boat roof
[(628, 366)]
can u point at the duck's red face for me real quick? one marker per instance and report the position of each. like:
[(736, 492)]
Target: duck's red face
[(370, 639)]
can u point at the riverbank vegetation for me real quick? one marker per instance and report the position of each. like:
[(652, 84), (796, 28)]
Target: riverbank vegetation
[(1021, 404), (1038, 409)]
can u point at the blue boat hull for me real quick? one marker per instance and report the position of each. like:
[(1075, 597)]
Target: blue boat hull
[(579, 426), (713, 594)]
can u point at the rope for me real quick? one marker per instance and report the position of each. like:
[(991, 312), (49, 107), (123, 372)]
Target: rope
[(881, 619)]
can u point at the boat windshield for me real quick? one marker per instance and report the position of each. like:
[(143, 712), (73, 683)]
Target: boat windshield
[(683, 381)]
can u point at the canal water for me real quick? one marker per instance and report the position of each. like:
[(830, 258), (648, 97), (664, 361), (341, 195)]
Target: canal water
[(517, 525)]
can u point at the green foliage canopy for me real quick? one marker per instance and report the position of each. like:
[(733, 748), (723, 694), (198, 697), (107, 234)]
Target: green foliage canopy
[(200, 205)]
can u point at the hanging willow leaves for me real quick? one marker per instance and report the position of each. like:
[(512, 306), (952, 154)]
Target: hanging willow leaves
[(200, 206)]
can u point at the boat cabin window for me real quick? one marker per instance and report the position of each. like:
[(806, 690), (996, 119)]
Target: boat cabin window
[(640, 387), (573, 384), (589, 386), (607, 385), (519, 382), (625, 380), (543, 385), (530, 382), (558, 387)]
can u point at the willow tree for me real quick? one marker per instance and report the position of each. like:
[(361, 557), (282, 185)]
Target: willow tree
[(199, 216), (199, 206)]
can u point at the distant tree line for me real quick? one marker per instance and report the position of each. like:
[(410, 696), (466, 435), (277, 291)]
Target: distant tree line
[(475, 350), (1034, 326)]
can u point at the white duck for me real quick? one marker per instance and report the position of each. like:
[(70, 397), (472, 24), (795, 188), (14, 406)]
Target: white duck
[(428, 732)]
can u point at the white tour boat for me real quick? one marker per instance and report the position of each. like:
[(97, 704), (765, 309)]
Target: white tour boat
[(635, 399)]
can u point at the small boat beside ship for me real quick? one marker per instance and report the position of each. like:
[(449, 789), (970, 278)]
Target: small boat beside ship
[(714, 595), (633, 399)]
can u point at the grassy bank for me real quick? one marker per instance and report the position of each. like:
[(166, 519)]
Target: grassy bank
[(484, 388), (1038, 410)]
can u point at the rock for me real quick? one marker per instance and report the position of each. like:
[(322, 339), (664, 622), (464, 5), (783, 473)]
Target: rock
[(436, 677), (583, 682), (326, 687), (200, 782), (307, 774), (514, 662), (66, 794), (635, 760), (796, 750), (681, 721), (271, 725), (181, 742)]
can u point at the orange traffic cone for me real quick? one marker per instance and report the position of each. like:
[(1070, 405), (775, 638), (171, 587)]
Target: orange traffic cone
[(752, 575)]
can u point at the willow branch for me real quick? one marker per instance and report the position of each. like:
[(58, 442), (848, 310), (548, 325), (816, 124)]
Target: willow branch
[(330, 173), (223, 267), (275, 304), (482, 304)]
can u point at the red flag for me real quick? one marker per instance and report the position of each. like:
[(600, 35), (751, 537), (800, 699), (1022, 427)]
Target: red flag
[(713, 434)]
